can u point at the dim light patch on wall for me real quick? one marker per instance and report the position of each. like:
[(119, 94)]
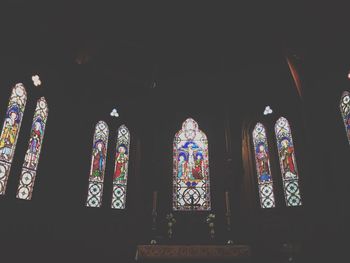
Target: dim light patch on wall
[(191, 186), (10, 131), (31, 159)]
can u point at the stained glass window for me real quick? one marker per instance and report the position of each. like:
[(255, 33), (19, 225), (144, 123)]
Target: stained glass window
[(10, 131), (288, 163), (263, 170), (120, 176), (345, 111), (191, 186), (31, 159), (98, 165)]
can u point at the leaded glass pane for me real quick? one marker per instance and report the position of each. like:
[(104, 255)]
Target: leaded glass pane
[(191, 187), (31, 159), (98, 165), (288, 163), (120, 176), (263, 170), (10, 131), (345, 112)]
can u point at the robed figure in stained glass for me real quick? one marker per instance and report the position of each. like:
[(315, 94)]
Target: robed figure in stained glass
[(8, 137), (121, 161), (198, 167), (182, 166), (98, 159), (263, 163), (287, 159), (34, 144)]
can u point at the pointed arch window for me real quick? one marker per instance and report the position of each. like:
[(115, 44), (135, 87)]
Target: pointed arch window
[(345, 111), (98, 165), (288, 163), (263, 170), (10, 131), (120, 176), (191, 185), (31, 159)]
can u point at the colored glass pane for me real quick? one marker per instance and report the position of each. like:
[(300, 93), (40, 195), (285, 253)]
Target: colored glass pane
[(263, 170), (288, 163), (10, 131), (345, 112), (98, 165), (120, 176), (191, 186), (31, 159)]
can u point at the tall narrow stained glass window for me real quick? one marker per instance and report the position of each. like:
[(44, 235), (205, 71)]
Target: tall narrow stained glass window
[(120, 176), (98, 165), (10, 131), (288, 163), (262, 160), (191, 186), (345, 111), (31, 159)]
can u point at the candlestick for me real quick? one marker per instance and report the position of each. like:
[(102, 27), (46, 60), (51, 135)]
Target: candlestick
[(154, 204), (227, 202), (228, 218)]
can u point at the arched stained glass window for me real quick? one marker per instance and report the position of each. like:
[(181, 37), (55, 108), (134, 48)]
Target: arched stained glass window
[(262, 160), (345, 111), (10, 131), (288, 163), (191, 186), (98, 165), (31, 159), (120, 176)]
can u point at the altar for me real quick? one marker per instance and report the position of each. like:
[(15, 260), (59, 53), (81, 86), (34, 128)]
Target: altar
[(190, 253)]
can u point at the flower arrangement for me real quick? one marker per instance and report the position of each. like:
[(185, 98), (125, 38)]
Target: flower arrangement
[(210, 220), (171, 222)]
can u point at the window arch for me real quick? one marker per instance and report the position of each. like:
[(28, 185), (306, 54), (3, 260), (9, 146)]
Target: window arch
[(98, 165), (191, 186), (345, 111), (263, 170), (120, 176), (288, 164), (31, 159), (10, 131)]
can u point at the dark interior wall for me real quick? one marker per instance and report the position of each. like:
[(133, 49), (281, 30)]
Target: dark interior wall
[(221, 79)]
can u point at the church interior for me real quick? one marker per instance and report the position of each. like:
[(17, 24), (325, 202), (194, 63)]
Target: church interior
[(228, 69)]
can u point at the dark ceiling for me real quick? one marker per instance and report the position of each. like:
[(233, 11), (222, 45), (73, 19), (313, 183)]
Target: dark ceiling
[(135, 44), (174, 38)]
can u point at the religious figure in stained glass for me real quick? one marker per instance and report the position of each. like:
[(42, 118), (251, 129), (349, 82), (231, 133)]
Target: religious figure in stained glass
[(98, 160), (31, 159), (10, 131), (287, 159), (265, 183), (345, 111), (9, 134), (121, 163), (191, 169), (120, 176), (288, 164), (98, 164)]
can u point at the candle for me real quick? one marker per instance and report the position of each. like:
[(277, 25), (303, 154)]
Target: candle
[(227, 202), (154, 205)]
